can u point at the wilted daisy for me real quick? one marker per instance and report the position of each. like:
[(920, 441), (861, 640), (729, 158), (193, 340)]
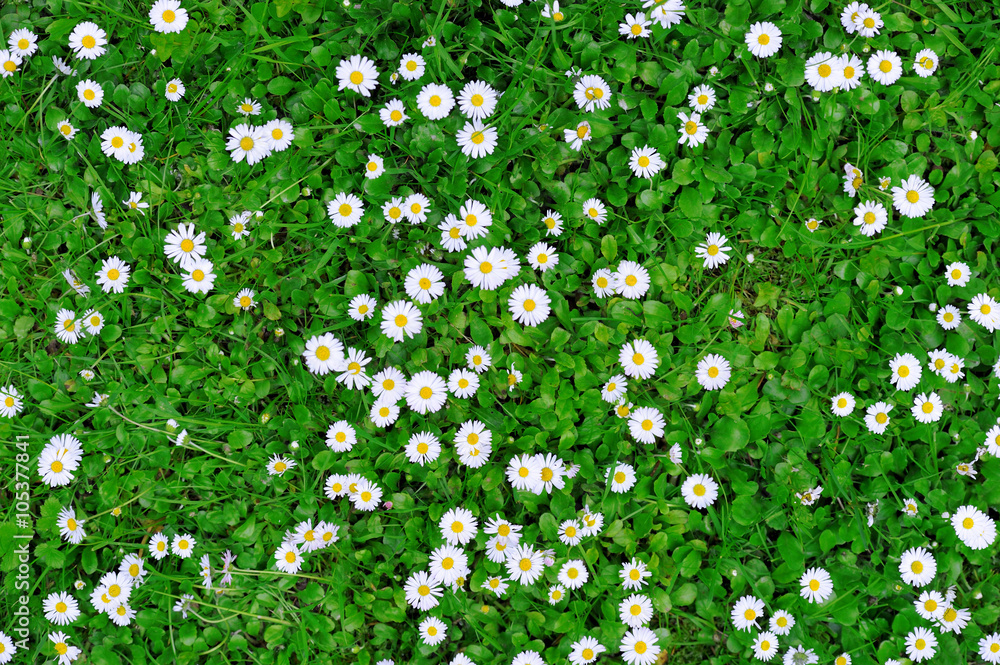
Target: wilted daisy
[(713, 251), (692, 131), (357, 73), (824, 71), (917, 567), (477, 140), (885, 67), (713, 372), (435, 101), (913, 198), (763, 39), (592, 93), (248, 142), (816, 585), (920, 644), (167, 16), (88, 41), (925, 63)]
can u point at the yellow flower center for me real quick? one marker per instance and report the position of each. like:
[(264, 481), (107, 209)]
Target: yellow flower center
[(763, 39), (558, 16), (117, 142), (920, 644), (246, 143), (927, 407), (88, 41), (824, 70), (691, 127), (912, 196), (702, 100), (88, 94), (432, 631), (57, 467), (948, 317), (395, 116), (985, 309), (525, 564), (814, 585), (848, 72), (640, 647), (66, 129), (363, 309), (372, 166), (357, 78), (917, 567), (602, 282), (712, 250), (435, 100), (172, 87), (422, 448), (885, 66), (61, 648), (22, 44), (245, 301), (581, 133), (169, 16), (463, 383), (869, 217), (620, 477), (477, 100), (967, 523), (478, 137), (713, 372), (634, 574), (636, 29), (765, 646), (113, 274), (411, 65), (647, 425), (366, 496), (9, 402), (280, 467), (903, 371), (400, 320), (881, 418), (426, 392), (354, 368), (869, 23), (344, 210), (644, 161)]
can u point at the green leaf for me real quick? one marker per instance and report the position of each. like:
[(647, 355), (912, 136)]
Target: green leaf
[(729, 434)]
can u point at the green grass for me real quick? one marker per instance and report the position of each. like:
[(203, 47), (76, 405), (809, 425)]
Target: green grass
[(822, 315)]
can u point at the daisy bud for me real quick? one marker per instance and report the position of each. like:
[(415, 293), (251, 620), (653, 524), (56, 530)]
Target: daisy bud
[(294, 445), (153, 52), (733, 572), (946, 515), (355, 649), (978, 595), (768, 87), (485, 609), (306, 191), (750, 257), (698, 442), (899, 290), (866, 49), (932, 307), (279, 332), (387, 505), (26, 243), (264, 418), (973, 135)]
